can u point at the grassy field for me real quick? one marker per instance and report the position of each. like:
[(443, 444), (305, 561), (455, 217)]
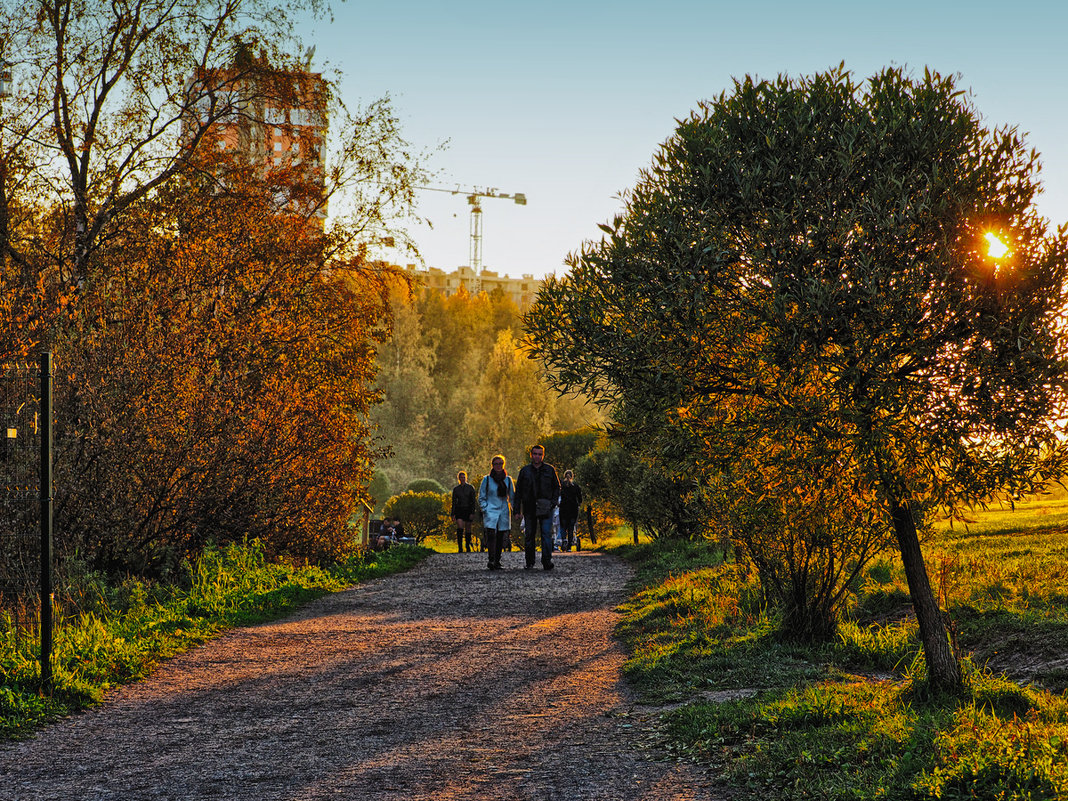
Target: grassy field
[(852, 719), (119, 634)]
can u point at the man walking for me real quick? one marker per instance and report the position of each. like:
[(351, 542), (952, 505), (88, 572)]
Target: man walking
[(538, 491)]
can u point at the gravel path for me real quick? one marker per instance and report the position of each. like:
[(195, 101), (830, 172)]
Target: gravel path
[(446, 682)]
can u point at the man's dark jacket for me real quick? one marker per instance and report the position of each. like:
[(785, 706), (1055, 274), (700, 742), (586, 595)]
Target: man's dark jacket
[(536, 482)]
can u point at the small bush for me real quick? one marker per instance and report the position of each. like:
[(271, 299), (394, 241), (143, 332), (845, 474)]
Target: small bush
[(423, 514), (426, 485)]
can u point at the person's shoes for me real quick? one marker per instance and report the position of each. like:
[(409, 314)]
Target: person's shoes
[(528, 567), (498, 566), (550, 566)]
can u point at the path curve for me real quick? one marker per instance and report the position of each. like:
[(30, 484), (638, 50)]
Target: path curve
[(445, 682)]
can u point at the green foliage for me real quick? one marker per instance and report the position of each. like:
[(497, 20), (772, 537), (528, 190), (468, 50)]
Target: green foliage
[(564, 449), (459, 388), (422, 513), (644, 494), (512, 408), (378, 490), (404, 365), (798, 278), (815, 723), (122, 631), (426, 485)]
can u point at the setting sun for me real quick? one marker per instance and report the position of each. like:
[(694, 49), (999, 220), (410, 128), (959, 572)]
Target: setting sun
[(997, 248)]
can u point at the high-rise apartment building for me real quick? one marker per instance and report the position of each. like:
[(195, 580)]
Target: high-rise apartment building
[(272, 120)]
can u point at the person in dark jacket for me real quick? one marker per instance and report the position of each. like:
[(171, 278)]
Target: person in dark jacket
[(537, 492), (464, 505), (570, 501)]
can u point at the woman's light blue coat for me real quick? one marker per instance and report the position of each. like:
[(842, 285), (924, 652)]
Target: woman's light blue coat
[(496, 511)]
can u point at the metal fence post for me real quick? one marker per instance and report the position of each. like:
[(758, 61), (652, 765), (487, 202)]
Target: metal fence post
[(45, 429)]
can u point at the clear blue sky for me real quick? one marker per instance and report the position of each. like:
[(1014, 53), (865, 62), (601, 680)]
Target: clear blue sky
[(566, 101)]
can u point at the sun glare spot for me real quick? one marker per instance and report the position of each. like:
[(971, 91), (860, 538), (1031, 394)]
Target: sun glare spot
[(997, 248)]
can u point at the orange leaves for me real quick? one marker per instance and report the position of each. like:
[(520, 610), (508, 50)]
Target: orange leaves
[(226, 388)]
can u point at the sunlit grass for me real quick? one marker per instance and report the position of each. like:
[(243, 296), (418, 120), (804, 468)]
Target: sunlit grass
[(621, 535), (849, 739), (1034, 513), (852, 719), (440, 544)]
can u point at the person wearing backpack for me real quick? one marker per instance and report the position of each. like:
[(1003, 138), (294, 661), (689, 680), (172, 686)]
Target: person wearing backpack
[(570, 501), (496, 497)]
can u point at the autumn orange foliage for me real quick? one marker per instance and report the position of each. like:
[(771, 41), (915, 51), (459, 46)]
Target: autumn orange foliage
[(163, 233), (213, 374)]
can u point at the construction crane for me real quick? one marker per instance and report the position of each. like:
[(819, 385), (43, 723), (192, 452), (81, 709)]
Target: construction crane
[(474, 200)]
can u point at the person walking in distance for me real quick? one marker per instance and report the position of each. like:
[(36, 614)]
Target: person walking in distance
[(570, 501), (538, 490), (496, 497), (464, 505)]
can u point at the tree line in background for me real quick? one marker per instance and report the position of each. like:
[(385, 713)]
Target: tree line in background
[(794, 322), (458, 386), (215, 342)]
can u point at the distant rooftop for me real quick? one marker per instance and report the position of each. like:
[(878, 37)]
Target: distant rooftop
[(522, 290)]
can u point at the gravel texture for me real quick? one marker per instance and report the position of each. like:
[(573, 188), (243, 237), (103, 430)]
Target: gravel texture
[(446, 682)]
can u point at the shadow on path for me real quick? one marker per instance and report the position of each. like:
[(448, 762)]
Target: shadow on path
[(446, 682)]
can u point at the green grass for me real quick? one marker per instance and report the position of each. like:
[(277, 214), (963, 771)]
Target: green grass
[(851, 719), (695, 624), (1034, 513), (848, 739), (120, 633)]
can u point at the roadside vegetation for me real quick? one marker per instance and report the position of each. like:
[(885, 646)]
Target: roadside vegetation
[(856, 717), (115, 634), (796, 322)]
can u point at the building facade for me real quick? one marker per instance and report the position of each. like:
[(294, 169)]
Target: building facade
[(522, 290), (272, 120)]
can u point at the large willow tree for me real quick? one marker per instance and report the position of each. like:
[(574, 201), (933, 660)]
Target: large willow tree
[(804, 264)]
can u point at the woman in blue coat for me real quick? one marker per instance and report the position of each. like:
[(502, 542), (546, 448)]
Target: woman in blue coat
[(496, 496)]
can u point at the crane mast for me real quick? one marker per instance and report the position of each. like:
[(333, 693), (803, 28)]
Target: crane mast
[(474, 200)]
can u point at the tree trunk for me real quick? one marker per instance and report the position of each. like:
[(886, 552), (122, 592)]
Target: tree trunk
[(3, 209), (943, 669), (634, 528)]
